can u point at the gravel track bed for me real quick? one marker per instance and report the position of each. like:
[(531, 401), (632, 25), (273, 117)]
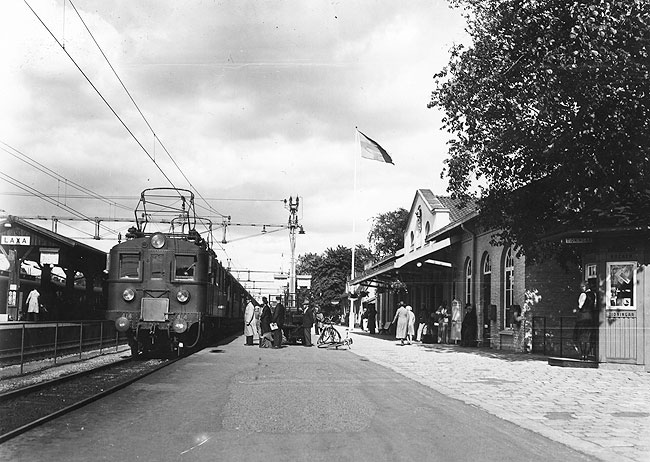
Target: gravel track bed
[(41, 371), (23, 409)]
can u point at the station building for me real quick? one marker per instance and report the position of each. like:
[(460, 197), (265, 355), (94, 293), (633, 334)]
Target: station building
[(448, 259), (74, 291)]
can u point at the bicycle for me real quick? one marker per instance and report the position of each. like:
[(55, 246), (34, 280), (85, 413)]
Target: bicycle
[(330, 337)]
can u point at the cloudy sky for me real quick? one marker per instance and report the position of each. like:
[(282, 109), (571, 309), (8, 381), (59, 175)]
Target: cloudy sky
[(255, 101)]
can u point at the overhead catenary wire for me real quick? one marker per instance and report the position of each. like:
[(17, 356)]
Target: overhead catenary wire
[(156, 138), (101, 96), (14, 182), (51, 173)]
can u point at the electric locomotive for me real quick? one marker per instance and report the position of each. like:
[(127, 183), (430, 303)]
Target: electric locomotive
[(166, 290)]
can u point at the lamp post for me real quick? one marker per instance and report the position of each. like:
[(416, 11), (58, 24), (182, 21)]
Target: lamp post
[(293, 226)]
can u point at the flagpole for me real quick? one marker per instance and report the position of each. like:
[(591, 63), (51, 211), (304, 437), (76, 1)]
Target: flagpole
[(354, 209)]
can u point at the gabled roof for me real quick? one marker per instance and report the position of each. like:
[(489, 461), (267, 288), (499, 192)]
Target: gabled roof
[(456, 211)]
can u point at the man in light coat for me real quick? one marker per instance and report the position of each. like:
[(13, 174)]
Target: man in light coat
[(33, 305), (249, 322)]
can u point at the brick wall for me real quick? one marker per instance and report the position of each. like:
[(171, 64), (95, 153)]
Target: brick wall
[(558, 286)]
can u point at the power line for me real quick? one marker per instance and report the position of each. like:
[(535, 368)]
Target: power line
[(100, 95), (138, 108), (51, 173), (14, 182), (135, 198)]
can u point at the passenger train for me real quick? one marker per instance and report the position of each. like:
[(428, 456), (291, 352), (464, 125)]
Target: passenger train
[(166, 290)]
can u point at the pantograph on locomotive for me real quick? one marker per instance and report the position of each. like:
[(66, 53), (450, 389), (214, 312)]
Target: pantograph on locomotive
[(166, 289)]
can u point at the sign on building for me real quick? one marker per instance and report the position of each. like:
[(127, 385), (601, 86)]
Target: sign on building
[(15, 240), (49, 256)]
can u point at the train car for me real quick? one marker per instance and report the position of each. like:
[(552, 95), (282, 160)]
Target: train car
[(166, 290), (79, 305)]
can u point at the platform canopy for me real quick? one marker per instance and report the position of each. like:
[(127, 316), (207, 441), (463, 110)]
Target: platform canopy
[(34, 243)]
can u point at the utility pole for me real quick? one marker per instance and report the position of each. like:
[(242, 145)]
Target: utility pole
[(293, 225)]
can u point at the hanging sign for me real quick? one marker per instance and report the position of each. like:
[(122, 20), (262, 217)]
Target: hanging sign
[(49, 256)]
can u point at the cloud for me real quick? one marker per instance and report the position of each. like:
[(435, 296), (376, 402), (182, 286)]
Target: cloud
[(254, 101)]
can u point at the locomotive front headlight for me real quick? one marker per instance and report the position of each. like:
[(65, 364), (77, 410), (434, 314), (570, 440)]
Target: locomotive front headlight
[(122, 324), (128, 294), (183, 296), (179, 325), (158, 241)]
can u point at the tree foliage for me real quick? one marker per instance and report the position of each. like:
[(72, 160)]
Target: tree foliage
[(551, 100), (330, 271), (386, 235)]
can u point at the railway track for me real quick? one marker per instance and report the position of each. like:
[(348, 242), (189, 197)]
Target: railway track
[(28, 407)]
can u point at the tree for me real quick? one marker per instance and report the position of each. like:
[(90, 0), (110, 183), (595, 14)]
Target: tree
[(387, 233), (330, 272), (551, 101)]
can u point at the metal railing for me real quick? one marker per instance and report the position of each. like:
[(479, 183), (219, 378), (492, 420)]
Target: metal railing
[(23, 342), (557, 340)]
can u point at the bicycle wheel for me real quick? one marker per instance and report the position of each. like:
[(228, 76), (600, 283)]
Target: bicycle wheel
[(328, 337)]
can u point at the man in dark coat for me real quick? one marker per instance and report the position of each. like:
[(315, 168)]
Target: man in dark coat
[(468, 328), (278, 318), (307, 323), (371, 314), (265, 324), (584, 332)]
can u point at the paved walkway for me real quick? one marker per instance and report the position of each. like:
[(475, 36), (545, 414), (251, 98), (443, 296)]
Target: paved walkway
[(600, 412)]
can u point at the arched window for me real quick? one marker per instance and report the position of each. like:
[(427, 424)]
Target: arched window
[(487, 265), (508, 292), (427, 229), (468, 282), (412, 240)]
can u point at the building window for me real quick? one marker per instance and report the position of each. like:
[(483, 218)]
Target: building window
[(412, 240), (468, 282), (427, 229), (508, 292), (621, 287), (487, 265)]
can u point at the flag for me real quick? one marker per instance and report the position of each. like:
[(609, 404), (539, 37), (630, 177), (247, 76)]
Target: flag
[(370, 149)]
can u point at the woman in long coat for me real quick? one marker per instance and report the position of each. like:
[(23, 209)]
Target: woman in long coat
[(402, 319), (410, 328)]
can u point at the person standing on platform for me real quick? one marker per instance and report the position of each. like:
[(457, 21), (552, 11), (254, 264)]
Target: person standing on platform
[(401, 317), (372, 319), (584, 332), (249, 322), (266, 336), (278, 318), (307, 324), (256, 322), (410, 327), (469, 327), (33, 305), (456, 321), (319, 320)]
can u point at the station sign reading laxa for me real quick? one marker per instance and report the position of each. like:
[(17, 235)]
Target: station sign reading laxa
[(15, 240)]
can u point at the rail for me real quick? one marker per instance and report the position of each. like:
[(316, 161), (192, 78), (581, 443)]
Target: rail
[(21, 342)]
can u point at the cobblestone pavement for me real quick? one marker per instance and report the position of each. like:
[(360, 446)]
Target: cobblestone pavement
[(600, 412)]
